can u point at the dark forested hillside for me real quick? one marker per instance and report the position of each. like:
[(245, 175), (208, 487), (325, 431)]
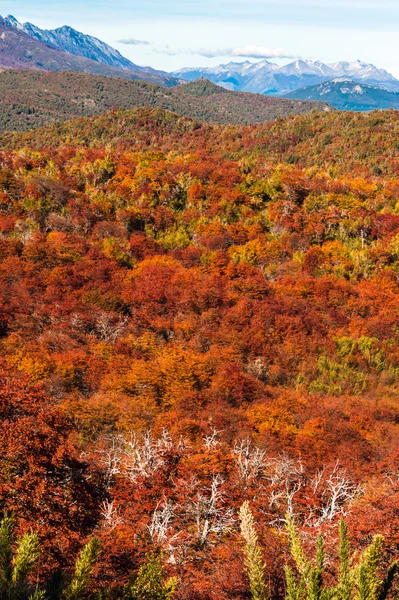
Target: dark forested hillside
[(199, 355), (34, 99)]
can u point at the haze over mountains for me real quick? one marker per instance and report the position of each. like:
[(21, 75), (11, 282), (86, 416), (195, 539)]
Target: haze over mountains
[(269, 78)]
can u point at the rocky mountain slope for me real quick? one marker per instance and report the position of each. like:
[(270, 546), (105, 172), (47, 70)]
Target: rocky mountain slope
[(69, 40), (18, 50)]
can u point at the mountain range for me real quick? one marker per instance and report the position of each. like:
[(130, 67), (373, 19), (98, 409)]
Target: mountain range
[(345, 94), (269, 78), (24, 46), (69, 40)]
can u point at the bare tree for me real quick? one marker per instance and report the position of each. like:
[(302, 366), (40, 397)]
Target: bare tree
[(336, 491), (209, 513), (135, 456), (110, 458), (211, 441), (110, 515), (161, 521), (251, 462), (286, 479), (109, 328)]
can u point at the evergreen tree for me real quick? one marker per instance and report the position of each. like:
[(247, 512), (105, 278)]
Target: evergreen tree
[(151, 582), (83, 568), (16, 567), (253, 555)]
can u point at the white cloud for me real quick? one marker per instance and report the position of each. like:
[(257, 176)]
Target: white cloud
[(209, 53), (133, 42), (248, 51), (261, 52)]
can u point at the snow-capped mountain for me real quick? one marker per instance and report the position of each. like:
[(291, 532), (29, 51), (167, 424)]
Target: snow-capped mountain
[(268, 78), (345, 94), (362, 71), (307, 67), (23, 51), (69, 40), (241, 76)]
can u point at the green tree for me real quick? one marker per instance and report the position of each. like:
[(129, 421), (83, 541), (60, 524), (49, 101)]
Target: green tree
[(19, 556), (253, 555), (16, 566), (83, 568), (358, 581), (151, 582)]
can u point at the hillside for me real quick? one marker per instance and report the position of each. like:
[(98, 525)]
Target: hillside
[(33, 99), (313, 140), (21, 51), (346, 94), (196, 318)]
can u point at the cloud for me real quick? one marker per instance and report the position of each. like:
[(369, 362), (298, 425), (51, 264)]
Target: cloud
[(194, 52), (261, 52), (212, 53), (134, 42), (248, 51)]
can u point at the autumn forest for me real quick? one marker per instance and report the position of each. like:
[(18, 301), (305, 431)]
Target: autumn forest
[(199, 352)]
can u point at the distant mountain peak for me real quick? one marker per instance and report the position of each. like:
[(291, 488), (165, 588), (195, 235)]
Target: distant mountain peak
[(12, 21), (269, 78), (70, 40), (26, 47)]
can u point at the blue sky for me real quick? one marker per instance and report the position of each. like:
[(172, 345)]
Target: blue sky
[(206, 32)]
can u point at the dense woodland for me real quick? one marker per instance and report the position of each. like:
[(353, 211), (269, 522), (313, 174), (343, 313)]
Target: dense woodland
[(34, 99), (195, 321)]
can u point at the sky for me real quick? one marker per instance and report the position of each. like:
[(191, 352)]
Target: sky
[(171, 34)]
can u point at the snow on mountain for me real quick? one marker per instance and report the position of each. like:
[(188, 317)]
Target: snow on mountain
[(69, 40), (23, 51), (242, 76), (307, 67), (361, 70), (268, 78)]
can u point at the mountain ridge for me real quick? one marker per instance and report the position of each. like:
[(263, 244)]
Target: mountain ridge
[(269, 78), (18, 50), (69, 40), (346, 94)]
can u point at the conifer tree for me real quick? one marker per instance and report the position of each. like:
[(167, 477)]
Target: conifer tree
[(344, 587), (83, 568), (16, 567), (358, 582), (253, 554), (151, 582)]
